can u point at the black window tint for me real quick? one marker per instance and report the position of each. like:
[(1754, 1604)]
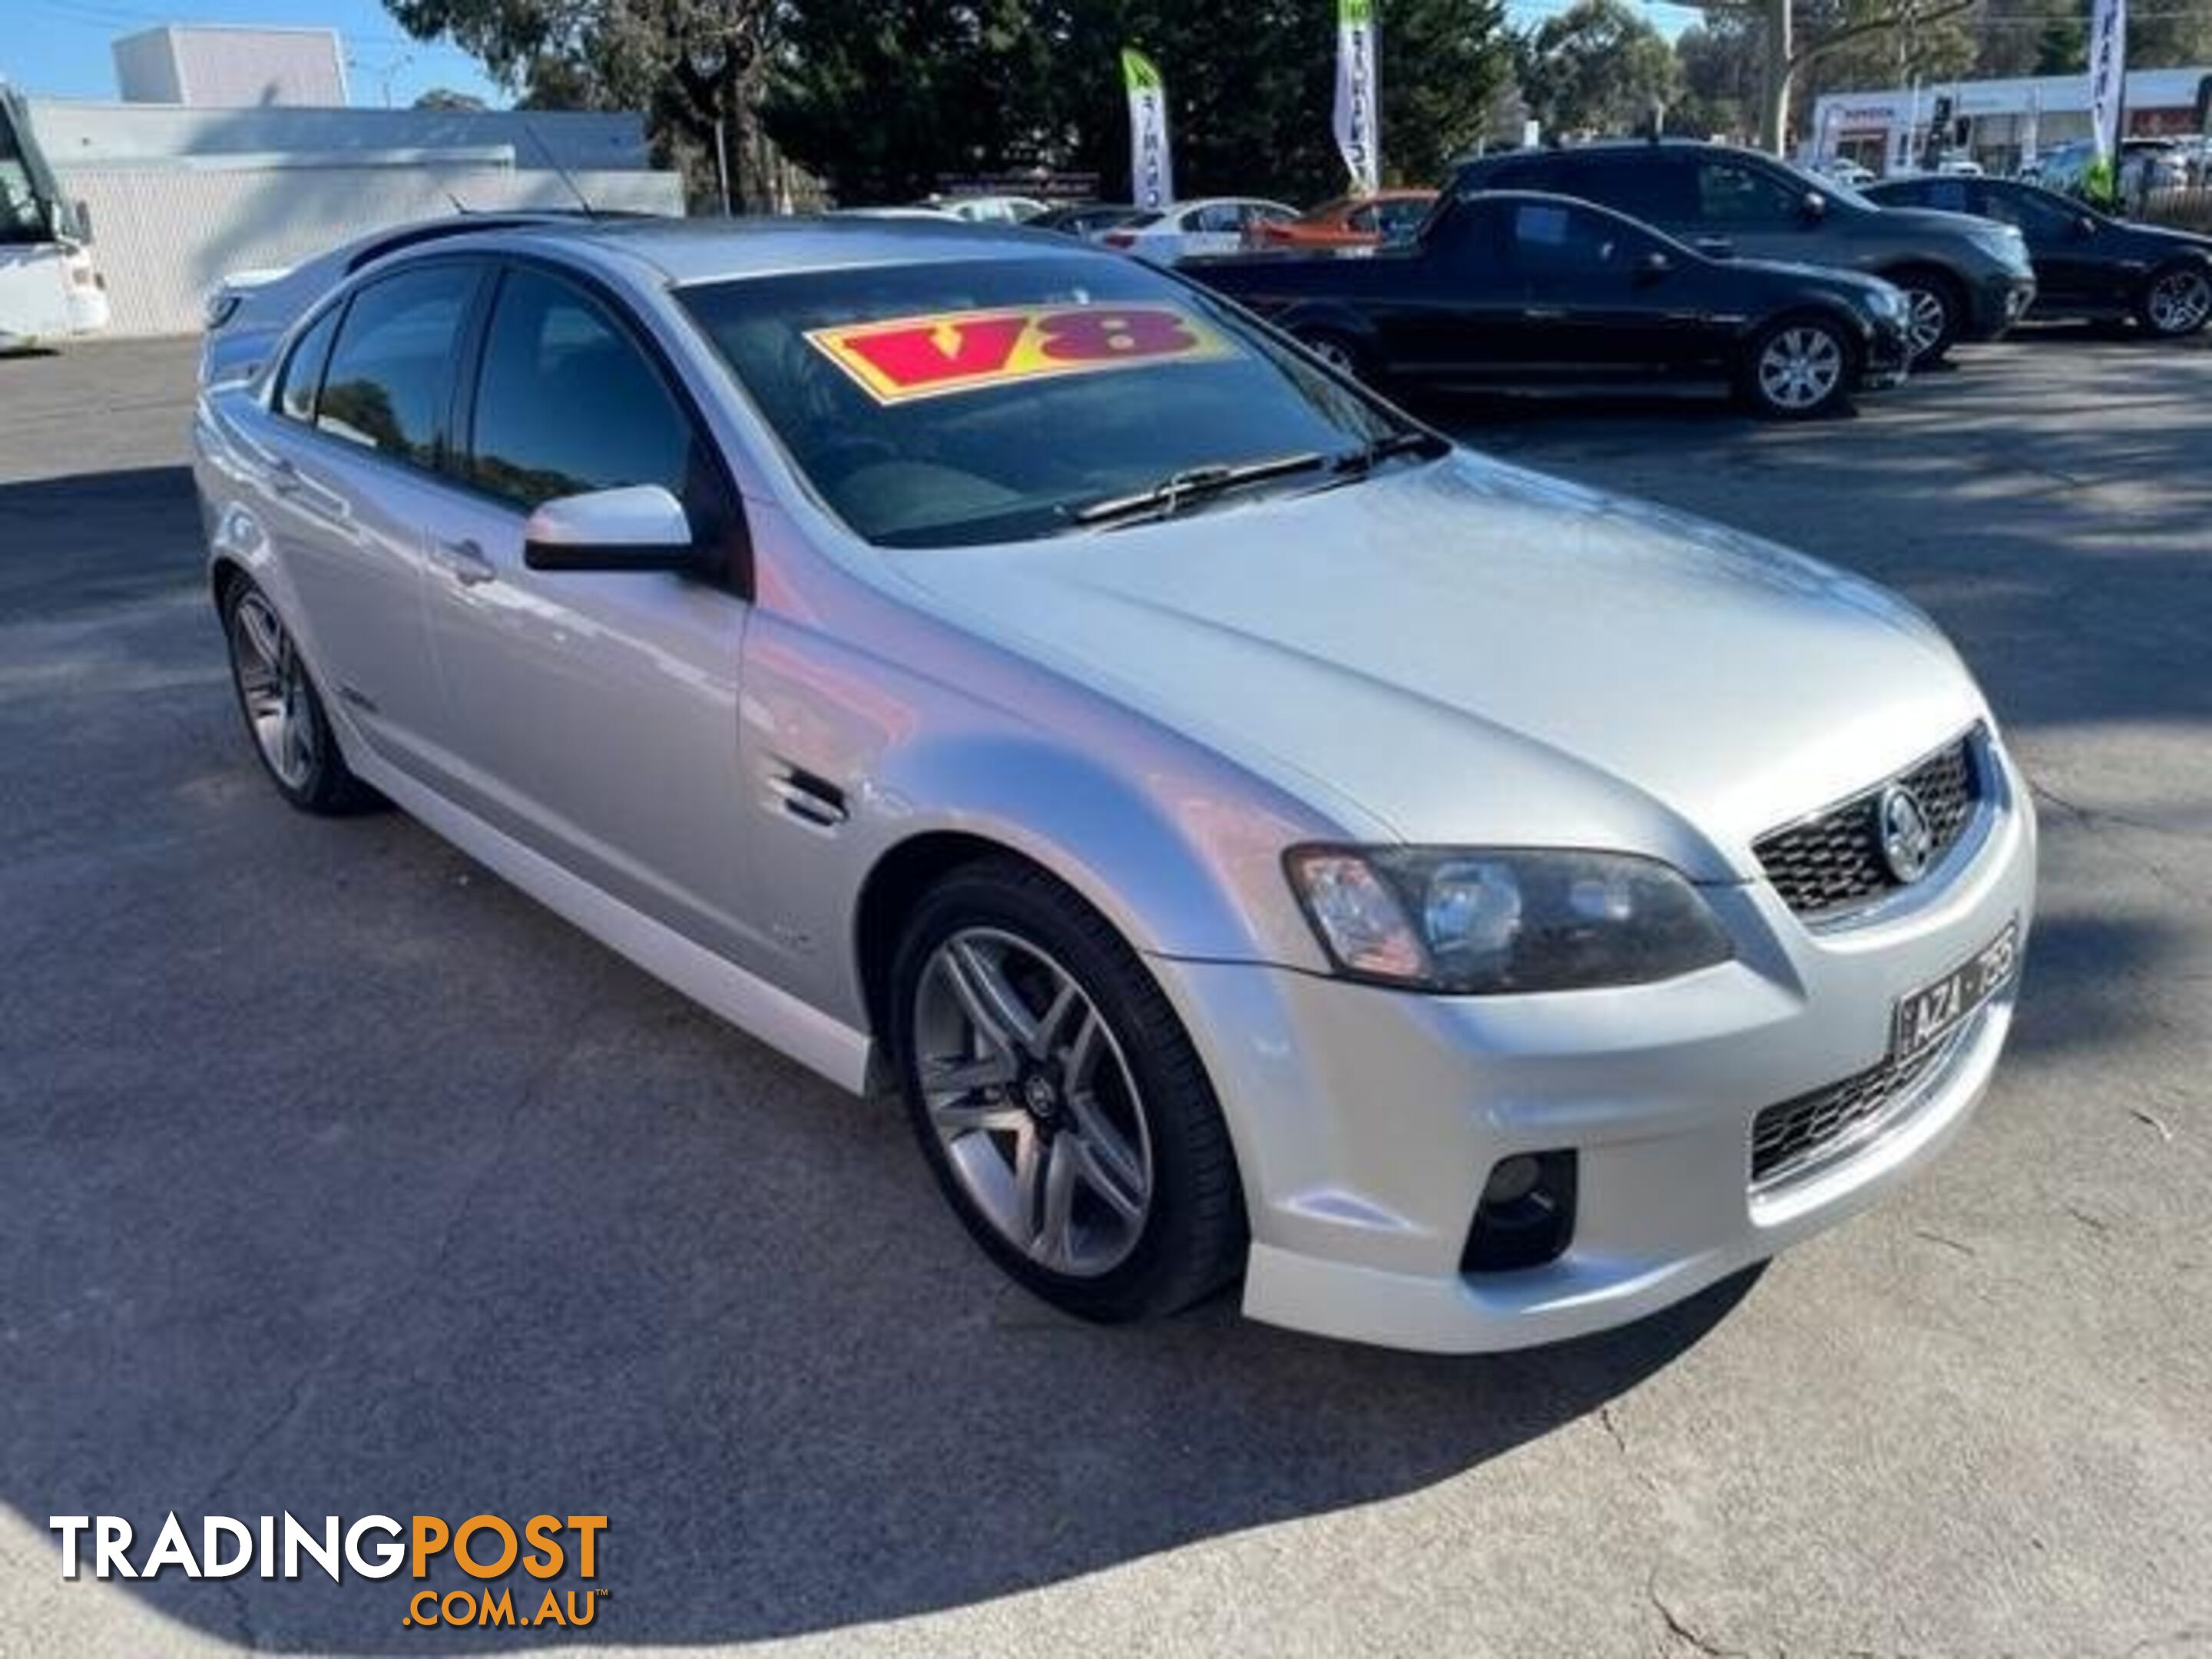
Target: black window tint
[(1734, 194), (1550, 240), (1914, 194), (1220, 217), (1397, 220), (1363, 219), (2036, 215), (567, 402), (1644, 184), (1951, 195), (389, 376), (303, 369)]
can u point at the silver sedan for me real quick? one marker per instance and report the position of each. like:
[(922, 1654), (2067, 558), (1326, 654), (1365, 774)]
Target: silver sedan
[(1258, 840)]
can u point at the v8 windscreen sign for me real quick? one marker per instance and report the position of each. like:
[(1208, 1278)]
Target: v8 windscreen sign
[(899, 359)]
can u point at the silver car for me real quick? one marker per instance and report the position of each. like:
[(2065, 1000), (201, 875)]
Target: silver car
[(1257, 838)]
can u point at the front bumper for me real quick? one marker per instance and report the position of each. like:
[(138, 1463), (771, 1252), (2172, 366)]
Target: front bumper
[(1367, 1121), (1887, 358), (1996, 304)]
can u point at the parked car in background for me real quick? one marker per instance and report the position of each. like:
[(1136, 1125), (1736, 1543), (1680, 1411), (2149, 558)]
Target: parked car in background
[(1349, 222), (1844, 170), (2086, 264), (1255, 838), (50, 287), (1968, 279), (1523, 292), (248, 311), (1086, 219), (1218, 224), (989, 209)]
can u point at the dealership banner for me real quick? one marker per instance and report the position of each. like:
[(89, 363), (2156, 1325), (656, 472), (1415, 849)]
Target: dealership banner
[(1357, 140), (1151, 169), (2108, 69)]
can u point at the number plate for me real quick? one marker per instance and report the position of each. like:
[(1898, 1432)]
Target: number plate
[(1925, 1017)]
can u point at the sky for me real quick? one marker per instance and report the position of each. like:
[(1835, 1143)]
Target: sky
[(58, 48)]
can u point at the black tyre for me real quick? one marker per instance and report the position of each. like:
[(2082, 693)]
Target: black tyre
[(1799, 368), (283, 709), (2177, 300), (1059, 1100), (1939, 311)]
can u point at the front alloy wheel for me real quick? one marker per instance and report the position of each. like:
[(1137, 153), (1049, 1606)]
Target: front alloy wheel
[(2178, 302), (1058, 1098), (1036, 1110), (1933, 322), (1801, 368)]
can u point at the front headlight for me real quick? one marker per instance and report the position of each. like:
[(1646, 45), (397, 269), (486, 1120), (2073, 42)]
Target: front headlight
[(1483, 922), (1890, 304), (2003, 243), (219, 308)]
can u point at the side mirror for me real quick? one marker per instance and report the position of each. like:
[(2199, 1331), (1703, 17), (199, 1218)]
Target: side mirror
[(639, 527), (1651, 266), (2084, 227), (1815, 206)]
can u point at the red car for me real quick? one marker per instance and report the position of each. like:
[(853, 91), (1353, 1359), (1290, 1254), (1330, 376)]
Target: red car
[(1392, 215)]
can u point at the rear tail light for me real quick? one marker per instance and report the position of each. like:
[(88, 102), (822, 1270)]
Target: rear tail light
[(1119, 239)]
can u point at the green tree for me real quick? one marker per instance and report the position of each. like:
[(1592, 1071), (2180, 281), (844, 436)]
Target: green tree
[(1596, 68), (1720, 64), (881, 96), (695, 68)]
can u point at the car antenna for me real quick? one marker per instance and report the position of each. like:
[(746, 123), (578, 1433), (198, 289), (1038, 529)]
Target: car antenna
[(554, 162)]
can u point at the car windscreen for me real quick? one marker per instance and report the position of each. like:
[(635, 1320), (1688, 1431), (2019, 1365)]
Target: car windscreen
[(959, 402)]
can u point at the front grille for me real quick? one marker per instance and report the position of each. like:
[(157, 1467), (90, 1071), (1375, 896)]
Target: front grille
[(1832, 861), (1787, 1137)]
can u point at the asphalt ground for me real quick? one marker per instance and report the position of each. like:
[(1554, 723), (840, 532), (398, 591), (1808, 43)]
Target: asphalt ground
[(337, 1177)]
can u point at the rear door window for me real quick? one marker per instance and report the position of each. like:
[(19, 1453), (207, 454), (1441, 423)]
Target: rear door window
[(1647, 184), (389, 386)]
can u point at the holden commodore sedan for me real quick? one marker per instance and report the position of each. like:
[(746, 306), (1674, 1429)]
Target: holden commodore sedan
[(1257, 838)]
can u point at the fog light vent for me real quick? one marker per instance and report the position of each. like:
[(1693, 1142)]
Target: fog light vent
[(1527, 1216)]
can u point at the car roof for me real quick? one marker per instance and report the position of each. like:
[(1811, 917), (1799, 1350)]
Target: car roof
[(702, 249)]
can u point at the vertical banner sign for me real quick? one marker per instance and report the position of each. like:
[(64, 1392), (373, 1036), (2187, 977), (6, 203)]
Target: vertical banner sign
[(1151, 170), (2108, 69), (1356, 139), (2031, 128)]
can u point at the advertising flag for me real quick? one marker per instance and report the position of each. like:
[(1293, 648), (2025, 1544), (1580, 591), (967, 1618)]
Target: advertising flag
[(1151, 170), (1356, 139), (2108, 69)]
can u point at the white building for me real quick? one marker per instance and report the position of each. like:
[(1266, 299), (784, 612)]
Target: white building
[(219, 66), (1887, 130), (180, 197)]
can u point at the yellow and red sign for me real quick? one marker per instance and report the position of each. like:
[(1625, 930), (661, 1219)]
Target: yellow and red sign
[(899, 359)]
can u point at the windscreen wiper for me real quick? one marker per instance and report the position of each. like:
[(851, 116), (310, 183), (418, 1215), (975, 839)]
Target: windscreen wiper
[(1167, 497), (1407, 440)]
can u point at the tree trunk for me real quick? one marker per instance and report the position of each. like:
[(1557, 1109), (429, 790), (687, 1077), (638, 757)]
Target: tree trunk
[(1774, 84)]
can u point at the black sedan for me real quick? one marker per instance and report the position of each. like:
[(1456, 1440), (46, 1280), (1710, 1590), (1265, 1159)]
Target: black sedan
[(2086, 264), (1515, 290)]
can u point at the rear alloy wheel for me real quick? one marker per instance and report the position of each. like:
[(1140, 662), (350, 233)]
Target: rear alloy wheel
[(2177, 302), (1059, 1100), (1933, 320), (284, 711), (1800, 368)]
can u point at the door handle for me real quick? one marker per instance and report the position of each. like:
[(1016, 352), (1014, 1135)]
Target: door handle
[(465, 561), (284, 479), (1544, 313)]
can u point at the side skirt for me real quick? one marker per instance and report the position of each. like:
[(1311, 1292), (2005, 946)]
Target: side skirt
[(759, 1009)]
